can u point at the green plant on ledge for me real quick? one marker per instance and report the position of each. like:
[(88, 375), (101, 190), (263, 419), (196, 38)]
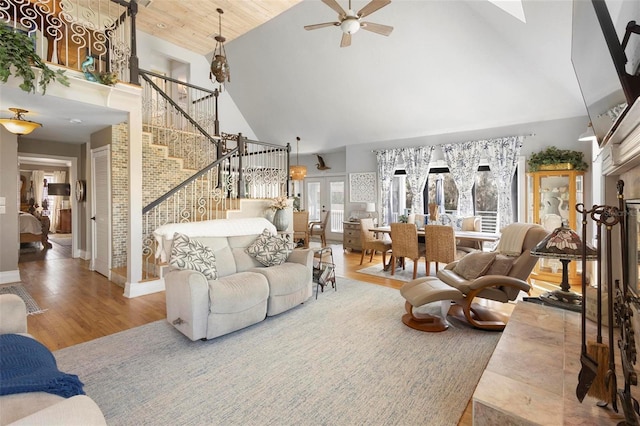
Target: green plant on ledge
[(553, 155), (17, 54)]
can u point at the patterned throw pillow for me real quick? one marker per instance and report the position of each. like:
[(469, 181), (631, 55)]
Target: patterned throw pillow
[(270, 250), (193, 255)]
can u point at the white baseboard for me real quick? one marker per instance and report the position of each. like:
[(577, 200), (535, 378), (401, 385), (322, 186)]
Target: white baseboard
[(142, 288), (10, 277)]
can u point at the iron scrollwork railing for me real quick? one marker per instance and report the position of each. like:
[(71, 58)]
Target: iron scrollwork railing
[(96, 34)]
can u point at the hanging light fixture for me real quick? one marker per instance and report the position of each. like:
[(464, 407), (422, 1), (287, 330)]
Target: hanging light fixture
[(18, 125), (219, 63), (297, 172)]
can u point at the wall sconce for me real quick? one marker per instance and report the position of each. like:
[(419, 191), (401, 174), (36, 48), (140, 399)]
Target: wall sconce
[(18, 125)]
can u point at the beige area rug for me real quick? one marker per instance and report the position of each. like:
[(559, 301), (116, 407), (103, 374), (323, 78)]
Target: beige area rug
[(400, 274), (62, 239), (343, 359)]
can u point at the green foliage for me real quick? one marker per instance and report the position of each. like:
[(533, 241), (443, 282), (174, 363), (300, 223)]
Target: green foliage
[(18, 54), (403, 218), (553, 155)]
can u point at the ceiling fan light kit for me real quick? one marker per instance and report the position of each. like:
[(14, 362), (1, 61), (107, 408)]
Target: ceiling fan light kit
[(350, 22)]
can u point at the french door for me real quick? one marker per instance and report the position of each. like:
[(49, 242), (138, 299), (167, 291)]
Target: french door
[(326, 194)]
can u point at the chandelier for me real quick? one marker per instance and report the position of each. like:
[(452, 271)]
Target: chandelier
[(297, 172), (18, 125), (219, 63)]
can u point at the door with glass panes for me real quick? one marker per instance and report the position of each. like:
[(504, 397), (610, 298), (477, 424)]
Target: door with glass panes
[(326, 194)]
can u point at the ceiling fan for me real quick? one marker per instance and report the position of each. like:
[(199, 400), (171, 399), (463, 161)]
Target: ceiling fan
[(350, 22)]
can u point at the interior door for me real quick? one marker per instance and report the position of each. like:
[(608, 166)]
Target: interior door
[(101, 211), (326, 193)]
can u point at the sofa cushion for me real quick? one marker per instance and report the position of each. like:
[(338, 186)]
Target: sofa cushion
[(187, 253), (238, 292), (271, 249), (285, 278), (474, 264)]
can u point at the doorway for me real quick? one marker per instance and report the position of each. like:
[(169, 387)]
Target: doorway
[(101, 211), (326, 194)]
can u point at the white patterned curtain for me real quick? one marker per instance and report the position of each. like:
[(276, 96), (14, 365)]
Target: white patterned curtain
[(463, 160), (416, 164), (387, 160), (502, 154), (37, 177), (58, 177)]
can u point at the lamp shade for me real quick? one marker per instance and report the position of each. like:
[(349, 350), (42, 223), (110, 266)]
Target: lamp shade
[(371, 207), (18, 125), (562, 243), (297, 172)]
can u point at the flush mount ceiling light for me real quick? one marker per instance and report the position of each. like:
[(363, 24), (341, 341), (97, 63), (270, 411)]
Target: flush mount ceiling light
[(18, 125), (219, 63), (297, 172)]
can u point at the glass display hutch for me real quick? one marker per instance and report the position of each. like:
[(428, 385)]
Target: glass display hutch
[(552, 199)]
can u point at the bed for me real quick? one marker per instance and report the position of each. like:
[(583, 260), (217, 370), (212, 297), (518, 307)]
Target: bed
[(34, 229)]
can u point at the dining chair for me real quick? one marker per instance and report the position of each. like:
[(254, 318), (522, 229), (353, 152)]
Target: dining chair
[(440, 244), (320, 227), (370, 242), (404, 244), (301, 227), (471, 223)]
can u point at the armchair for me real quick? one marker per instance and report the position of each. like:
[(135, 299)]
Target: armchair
[(319, 227), (497, 277)]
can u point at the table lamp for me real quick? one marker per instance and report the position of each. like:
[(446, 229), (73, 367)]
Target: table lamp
[(565, 245), (371, 208)]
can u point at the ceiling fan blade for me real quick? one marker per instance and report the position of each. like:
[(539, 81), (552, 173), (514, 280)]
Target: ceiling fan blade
[(316, 26), (384, 30), (346, 40), (333, 4), (372, 7)]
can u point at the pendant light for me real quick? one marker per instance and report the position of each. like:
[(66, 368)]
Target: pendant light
[(297, 172), (18, 125), (219, 63)]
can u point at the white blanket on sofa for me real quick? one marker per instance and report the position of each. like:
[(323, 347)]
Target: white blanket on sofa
[(211, 228)]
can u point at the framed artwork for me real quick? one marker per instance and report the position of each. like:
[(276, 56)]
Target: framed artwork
[(362, 187)]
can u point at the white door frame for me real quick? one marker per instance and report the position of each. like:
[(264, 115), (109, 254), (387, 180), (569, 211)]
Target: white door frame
[(324, 182), (102, 151)]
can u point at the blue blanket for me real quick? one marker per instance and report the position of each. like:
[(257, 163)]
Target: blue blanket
[(26, 365)]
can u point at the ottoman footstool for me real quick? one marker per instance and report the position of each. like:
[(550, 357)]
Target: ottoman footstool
[(425, 290)]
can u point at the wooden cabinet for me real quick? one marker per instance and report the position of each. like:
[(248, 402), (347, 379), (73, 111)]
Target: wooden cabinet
[(64, 221), (552, 199), (351, 236)]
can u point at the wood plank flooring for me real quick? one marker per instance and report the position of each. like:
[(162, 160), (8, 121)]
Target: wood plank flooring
[(82, 305)]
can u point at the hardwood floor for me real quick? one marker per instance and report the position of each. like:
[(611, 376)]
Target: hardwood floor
[(82, 305)]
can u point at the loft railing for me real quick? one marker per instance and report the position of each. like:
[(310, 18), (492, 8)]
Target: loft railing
[(99, 34)]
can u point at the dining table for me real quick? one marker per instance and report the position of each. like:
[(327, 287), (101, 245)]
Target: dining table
[(482, 237)]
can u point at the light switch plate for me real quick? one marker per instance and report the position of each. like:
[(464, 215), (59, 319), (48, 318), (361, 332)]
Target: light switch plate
[(3, 201), (3, 209)]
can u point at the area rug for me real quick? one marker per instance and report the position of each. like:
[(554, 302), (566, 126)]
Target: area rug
[(343, 359), (63, 241), (18, 289), (400, 274)]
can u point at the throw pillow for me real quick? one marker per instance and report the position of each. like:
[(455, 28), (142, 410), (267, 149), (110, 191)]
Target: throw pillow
[(193, 255), (501, 265), (270, 250), (474, 264)]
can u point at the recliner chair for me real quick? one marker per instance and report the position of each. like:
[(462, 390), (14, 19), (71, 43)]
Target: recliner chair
[(490, 284)]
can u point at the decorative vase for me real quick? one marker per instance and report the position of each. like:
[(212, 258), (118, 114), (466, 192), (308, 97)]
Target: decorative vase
[(280, 220)]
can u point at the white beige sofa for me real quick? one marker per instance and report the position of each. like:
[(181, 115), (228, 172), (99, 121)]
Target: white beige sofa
[(245, 292), (39, 408)]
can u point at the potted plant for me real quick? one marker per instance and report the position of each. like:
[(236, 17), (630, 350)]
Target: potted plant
[(18, 55), (553, 158)]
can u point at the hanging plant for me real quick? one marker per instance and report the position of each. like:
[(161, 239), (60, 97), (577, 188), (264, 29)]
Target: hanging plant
[(18, 56), (553, 156)]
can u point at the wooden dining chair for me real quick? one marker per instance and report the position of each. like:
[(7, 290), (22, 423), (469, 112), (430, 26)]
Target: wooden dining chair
[(440, 244), (320, 227), (370, 242), (301, 227), (404, 245)]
